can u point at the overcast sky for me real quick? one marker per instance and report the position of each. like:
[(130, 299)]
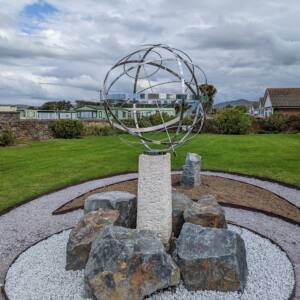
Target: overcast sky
[(53, 50)]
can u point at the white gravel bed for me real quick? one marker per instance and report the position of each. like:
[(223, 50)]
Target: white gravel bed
[(39, 273)]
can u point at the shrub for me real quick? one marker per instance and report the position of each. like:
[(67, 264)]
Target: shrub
[(155, 119), (144, 122), (106, 131), (187, 121), (129, 123), (152, 120), (92, 130), (257, 126), (67, 129), (7, 137), (232, 121), (275, 123), (294, 123), (209, 126)]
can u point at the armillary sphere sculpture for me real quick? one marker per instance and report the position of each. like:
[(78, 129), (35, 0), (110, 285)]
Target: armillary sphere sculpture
[(163, 80)]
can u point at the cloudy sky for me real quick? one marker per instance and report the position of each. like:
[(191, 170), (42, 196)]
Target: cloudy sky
[(53, 50)]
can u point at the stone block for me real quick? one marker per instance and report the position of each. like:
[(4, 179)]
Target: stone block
[(128, 264), (211, 259), (83, 234), (205, 212), (124, 202), (191, 171), (179, 204)]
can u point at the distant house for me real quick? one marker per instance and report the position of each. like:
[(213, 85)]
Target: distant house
[(261, 107), (93, 112), (254, 109), (34, 114), (8, 108), (28, 113), (98, 112), (282, 100)]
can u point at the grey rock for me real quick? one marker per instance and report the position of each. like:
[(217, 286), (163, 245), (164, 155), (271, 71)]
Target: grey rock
[(179, 204), (205, 212), (82, 235), (191, 171), (128, 264), (124, 202), (211, 259)]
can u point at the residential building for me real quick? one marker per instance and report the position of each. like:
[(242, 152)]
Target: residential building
[(93, 112), (28, 113), (8, 108), (254, 109), (98, 112), (281, 100)]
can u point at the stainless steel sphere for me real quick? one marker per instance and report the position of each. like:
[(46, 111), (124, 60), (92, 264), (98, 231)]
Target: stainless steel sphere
[(161, 100)]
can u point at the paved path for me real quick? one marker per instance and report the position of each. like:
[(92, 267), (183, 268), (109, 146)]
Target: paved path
[(31, 222)]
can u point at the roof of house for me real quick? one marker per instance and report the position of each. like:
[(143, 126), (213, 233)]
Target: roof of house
[(284, 97), (89, 108), (255, 104)]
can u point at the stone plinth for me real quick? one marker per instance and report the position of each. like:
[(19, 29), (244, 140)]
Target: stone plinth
[(154, 208)]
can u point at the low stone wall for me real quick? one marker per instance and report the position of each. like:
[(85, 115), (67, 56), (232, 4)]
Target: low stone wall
[(10, 119), (34, 129)]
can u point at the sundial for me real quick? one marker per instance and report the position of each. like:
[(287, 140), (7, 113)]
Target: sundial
[(159, 78)]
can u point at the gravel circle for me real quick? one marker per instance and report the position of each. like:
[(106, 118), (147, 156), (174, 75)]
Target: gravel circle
[(39, 273)]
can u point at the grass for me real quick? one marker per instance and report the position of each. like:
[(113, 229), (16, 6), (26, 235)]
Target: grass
[(27, 171)]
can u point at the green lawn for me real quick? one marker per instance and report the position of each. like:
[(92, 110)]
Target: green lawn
[(39, 167)]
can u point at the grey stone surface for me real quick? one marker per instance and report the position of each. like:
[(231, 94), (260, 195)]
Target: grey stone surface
[(179, 204), (128, 264), (191, 171), (205, 212), (211, 259), (31, 222), (83, 234), (124, 202)]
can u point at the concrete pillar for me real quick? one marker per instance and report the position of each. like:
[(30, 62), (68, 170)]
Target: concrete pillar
[(154, 206)]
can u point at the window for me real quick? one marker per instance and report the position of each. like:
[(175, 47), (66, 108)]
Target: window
[(124, 114), (88, 114)]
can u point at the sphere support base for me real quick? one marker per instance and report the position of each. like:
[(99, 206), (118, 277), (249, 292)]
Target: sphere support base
[(154, 207)]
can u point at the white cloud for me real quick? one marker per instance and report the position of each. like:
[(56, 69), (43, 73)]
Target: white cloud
[(243, 47)]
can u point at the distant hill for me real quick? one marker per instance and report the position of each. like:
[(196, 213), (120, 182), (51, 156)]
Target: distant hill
[(245, 102), (22, 106)]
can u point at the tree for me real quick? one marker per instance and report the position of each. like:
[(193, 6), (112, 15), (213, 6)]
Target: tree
[(84, 102), (242, 108), (209, 91), (57, 105)]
